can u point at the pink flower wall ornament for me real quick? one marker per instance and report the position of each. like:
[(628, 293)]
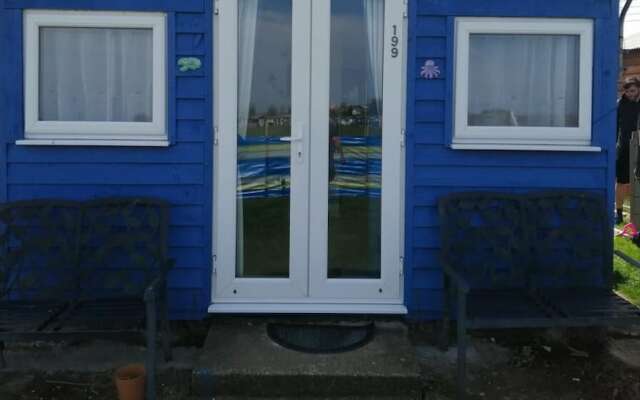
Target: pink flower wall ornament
[(430, 70)]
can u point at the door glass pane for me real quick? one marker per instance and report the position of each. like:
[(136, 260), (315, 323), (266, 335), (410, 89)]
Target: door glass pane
[(264, 116), (355, 148), (96, 74), (524, 80)]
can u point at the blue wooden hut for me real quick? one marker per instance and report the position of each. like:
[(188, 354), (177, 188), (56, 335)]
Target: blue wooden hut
[(303, 144)]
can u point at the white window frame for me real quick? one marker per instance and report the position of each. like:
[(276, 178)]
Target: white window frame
[(524, 138), (39, 132)]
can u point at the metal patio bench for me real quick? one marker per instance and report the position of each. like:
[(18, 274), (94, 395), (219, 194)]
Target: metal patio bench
[(85, 270), (527, 261)]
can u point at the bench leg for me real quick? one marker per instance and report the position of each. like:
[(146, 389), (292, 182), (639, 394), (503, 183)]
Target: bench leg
[(3, 362), (446, 320), (166, 331), (151, 348), (462, 346)]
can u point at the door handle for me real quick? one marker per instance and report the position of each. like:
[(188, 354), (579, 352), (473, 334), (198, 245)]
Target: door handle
[(291, 139), (299, 141)]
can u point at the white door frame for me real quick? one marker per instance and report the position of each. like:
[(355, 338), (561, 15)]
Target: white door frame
[(226, 285), (308, 290), (388, 287)]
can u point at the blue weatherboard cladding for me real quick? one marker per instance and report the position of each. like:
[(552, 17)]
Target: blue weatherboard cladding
[(433, 169), (181, 173)]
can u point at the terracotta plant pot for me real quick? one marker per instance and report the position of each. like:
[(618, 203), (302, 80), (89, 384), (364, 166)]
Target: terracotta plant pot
[(130, 382)]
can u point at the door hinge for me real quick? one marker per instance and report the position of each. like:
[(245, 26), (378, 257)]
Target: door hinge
[(401, 265), (214, 258), (403, 133), (405, 11), (216, 7), (216, 135)]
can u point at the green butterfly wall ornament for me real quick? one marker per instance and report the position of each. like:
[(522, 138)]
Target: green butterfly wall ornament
[(189, 64)]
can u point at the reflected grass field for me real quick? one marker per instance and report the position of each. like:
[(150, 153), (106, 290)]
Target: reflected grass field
[(353, 237)]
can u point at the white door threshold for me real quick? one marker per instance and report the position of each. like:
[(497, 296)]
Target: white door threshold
[(298, 308)]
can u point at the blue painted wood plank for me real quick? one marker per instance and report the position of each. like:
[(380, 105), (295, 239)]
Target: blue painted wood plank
[(434, 89), (425, 216), (192, 131), (177, 195), (427, 279), (516, 8), (438, 155), (116, 174), (189, 87), (188, 257), (431, 47), (427, 259), (569, 178), (430, 26), (428, 196), (188, 215), (186, 278), (3, 171), (427, 299), (190, 44), (191, 23), (181, 153), (186, 236), (11, 90), (187, 303), (429, 111), (426, 237), (191, 109), (429, 133), (125, 5)]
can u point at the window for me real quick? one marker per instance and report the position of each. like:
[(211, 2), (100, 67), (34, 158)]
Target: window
[(95, 78), (523, 82)]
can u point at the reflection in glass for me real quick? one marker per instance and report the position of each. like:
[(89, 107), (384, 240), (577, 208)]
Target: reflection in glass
[(355, 157), (524, 80), (264, 116)]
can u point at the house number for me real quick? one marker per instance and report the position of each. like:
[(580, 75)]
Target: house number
[(395, 40)]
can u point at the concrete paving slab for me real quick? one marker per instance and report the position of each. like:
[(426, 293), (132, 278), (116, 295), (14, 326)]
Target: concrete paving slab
[(239, 358), (89, 356), (626, 350)]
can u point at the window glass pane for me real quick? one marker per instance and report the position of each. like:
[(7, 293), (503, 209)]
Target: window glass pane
[(524, 80), (355, 138), (264, 117), (96, 74)]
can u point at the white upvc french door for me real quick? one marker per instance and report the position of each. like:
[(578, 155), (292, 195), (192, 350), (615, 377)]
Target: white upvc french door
[(308, 155)]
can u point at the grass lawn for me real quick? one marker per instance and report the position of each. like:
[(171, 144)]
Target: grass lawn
[(627, 277)]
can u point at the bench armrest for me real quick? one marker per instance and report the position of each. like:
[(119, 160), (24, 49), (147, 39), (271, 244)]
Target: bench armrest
[(153, 289), (456, 277)]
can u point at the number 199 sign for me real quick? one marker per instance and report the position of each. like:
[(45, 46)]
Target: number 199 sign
[(395, 41)]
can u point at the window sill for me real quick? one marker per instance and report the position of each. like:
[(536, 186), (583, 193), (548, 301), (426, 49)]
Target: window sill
[(85, 142), (525, 147)]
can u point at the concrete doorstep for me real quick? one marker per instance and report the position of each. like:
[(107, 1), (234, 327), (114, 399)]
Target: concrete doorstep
[(239, 359)]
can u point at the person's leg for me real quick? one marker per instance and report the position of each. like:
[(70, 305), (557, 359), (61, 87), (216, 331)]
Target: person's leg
[(622, 193), (622, 178)]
